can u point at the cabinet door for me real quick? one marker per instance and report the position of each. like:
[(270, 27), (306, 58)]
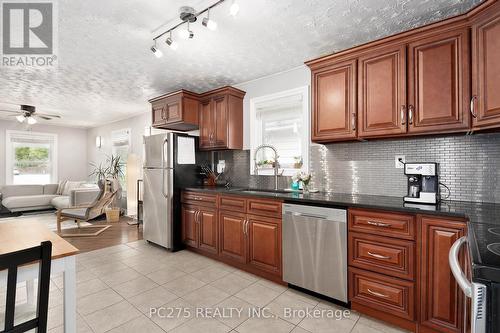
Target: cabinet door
[(206, 118), (334, 102), (207, 222), (382, 93), (441, 300), (438, 83), (486, 70), (173, 111), (157, 113), (189, 225), (233, 241), (220, 114), (264, 237)]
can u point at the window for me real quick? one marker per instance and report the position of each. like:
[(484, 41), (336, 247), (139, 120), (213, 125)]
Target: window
[(280, 120), (31, 158), (121, 147)]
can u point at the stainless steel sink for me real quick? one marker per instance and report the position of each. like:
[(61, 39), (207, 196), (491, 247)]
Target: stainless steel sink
[(257, 190)]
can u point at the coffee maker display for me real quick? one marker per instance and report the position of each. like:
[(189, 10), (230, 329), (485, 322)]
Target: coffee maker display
[(423, 183)]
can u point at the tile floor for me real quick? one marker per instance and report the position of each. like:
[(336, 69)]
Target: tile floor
[(118, 286)]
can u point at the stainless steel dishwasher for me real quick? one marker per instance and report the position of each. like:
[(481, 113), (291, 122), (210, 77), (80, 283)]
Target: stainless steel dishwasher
[(315, 249)]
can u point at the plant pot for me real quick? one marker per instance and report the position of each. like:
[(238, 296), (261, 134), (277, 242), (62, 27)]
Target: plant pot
[(113, 215)]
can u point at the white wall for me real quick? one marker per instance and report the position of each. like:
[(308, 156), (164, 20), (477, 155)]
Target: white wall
[(72, 149), (295, 78), (136, 124)]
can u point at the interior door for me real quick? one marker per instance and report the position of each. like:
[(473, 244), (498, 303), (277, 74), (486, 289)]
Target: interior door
[(233, 236), (334, 102), (486, 70), (206, 123), (438, 81), (382, 93)]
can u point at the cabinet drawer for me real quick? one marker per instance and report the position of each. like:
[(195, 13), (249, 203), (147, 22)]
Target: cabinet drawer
[(388, 256), (382, 223), (228, 202), (197, 198), (264, 207), (382, 293)]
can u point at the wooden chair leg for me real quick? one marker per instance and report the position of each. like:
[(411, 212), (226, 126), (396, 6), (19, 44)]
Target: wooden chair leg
[(58, 221)]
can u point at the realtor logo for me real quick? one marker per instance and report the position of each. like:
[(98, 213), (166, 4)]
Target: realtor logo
[(28, 33)]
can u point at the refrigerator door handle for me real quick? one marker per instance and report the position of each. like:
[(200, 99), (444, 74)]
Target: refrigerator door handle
[(165, 141)]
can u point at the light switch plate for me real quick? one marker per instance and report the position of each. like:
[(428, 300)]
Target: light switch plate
[(397, 161)]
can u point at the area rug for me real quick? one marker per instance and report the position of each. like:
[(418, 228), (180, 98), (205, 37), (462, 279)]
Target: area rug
[(49, 219)]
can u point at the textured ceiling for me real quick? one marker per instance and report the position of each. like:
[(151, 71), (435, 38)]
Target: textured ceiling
[(106, 71)]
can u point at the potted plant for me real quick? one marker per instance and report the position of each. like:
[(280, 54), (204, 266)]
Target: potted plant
[(98, 172)]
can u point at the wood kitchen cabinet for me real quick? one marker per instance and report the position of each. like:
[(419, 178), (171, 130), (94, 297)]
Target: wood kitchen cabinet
[(441, 299), (439, 83), (175, 111), (221, 119), (485, 104), (233, 240), (334, 102), (264, 238), (382, 92), (243, 232)]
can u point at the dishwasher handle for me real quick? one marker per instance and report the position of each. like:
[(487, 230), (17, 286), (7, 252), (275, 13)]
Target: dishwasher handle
[(313, 216)]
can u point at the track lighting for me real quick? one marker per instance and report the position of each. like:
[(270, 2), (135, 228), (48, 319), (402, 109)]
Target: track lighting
[(186, 33), (172, 43), (156, 51), (31, 121), (234, 9), (20, 118), (207, 22)]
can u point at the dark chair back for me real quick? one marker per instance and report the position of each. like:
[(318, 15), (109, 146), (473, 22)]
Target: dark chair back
[(11, 262)]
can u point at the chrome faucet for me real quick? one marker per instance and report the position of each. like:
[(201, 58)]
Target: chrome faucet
[(276, 163)]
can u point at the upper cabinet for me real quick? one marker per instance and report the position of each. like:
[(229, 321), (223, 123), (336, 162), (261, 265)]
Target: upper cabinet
[(382, 92), (431, 80), (485, 103), (221, 119), (438, 83), (334, 99), (218, 114)]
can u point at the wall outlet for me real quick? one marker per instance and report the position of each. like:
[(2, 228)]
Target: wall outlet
[(399, 161)]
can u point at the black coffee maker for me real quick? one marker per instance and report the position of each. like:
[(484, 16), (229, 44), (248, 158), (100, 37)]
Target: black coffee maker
[(423, 183)]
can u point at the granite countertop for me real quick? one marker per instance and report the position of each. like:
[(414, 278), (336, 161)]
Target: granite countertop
[(481, 216)]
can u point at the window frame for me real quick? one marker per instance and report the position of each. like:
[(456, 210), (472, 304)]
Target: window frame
[(255, 140), (10, 134), (129, 151)]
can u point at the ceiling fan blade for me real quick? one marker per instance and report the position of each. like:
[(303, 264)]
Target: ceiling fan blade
[(43, 117), (47, 115), (10, 111)]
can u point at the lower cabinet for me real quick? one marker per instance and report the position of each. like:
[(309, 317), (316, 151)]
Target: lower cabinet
[(441, 300), (404, 281), (264, 236), (244, 232), (199, 228)]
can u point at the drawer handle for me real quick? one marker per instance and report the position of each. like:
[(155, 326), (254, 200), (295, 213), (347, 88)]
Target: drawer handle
[(379, 224), (378, 256), (374, 293)]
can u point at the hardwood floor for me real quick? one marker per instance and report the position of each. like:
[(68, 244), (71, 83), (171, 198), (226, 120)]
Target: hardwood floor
[(119, 233)]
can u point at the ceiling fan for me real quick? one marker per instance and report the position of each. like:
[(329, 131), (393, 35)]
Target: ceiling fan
[(27, 113)]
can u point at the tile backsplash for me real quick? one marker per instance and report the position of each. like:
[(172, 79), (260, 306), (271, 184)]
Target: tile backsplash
[(469, 166)]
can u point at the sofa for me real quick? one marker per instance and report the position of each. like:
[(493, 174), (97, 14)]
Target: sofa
[(20, 198)]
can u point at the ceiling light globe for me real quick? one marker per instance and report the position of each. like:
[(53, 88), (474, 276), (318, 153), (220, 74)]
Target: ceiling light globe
[(156, 51), (20, 118), (210, 24), (31, 121), (172, 43), (235, 8)]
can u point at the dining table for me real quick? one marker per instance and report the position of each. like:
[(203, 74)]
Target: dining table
[(19, 235)]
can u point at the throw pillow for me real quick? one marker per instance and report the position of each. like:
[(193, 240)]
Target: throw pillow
[(70, 186), (61, 186)]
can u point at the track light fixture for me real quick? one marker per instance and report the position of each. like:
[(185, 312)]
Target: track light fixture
[(172, 43), (207, 22), (234, 9), (186, 33), (156, 51)]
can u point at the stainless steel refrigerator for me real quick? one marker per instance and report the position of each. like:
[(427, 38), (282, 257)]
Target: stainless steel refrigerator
[(170, 163)]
